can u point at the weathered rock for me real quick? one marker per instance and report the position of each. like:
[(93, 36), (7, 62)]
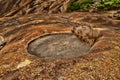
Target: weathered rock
[(117, 15), (21, 7), (86, 33), (114, 14), (92, 66)]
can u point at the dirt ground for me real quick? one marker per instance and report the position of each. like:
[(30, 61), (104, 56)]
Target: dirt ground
[(101, 62)]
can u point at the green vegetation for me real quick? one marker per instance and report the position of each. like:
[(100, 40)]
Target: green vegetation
[(86, 5), (83, 5), (108, 4)]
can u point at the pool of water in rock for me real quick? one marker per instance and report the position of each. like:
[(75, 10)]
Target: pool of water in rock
[(57, 46)]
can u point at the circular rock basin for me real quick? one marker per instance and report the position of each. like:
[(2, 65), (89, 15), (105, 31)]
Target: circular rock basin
[(57, 46)]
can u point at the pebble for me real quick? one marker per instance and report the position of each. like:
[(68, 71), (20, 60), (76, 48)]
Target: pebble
[(2, 42), (61, 78)]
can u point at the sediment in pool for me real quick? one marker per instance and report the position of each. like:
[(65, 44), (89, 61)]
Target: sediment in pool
[(58, 46)]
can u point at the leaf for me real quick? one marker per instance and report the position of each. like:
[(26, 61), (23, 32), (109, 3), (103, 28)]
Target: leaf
[(25, 63)]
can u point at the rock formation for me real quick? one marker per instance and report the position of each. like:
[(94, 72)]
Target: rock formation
[(16, 63), (23, 7), (86, 33), (114, 14), (117, 15)]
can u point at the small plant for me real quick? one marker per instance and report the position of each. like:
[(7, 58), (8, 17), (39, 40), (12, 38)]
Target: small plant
[(82, 5), (108, 4), (86, 5)]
